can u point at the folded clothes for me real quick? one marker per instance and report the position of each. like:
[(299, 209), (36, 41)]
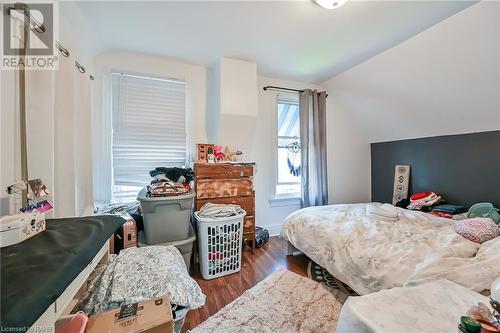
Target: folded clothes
[(449, 208), (419, 196), (441, 214), (212, 210), (419, 204), (386, 212), (166, 189)]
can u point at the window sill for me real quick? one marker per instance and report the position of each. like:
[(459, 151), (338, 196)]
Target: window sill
[(284, 201)]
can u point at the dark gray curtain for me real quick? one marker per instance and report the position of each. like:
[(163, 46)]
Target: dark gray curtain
[(313, 148)]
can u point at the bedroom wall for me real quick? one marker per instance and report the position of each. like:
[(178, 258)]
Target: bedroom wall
[(249, 128), (445, 80), (42, 123)]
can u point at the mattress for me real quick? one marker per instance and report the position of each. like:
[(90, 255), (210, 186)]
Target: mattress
[(36, 272), (370, 255)]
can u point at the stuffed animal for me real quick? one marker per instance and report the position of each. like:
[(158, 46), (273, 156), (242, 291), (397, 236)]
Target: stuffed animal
[(219, 155)]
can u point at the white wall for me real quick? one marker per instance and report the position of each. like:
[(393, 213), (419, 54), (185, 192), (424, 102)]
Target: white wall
[(196, 81), (445, 80)]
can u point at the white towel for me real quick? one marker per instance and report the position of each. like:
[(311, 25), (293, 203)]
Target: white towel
[(386, 212), (212, 210)]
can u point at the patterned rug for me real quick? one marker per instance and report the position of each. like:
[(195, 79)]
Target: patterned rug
[(282, 302), (321, 275)]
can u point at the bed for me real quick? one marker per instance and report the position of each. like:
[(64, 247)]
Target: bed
[(371, 255), (40, 276)]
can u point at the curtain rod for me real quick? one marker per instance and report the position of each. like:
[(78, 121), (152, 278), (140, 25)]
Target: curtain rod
[(299, 91), (39, 28)]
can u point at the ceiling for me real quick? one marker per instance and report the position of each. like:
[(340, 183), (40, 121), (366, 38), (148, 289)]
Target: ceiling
[(287, 39)]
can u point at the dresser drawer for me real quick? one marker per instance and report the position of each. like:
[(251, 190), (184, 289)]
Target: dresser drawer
[(220, 188), (212, 171), (249, 225), (247, 203)]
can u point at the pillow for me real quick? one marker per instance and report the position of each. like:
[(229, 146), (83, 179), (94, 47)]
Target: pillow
[(477, 229)]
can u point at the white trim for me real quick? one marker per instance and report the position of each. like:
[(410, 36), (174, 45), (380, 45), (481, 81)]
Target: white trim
[(284, 201), (275, 200)]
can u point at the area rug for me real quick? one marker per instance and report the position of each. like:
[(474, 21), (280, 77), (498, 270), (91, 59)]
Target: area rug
[(321, 275), (282, 302)]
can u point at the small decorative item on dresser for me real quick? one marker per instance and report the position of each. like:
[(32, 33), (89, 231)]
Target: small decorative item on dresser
[(204, 149)]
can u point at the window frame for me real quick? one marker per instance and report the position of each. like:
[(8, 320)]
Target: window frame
[(280, 199), (109, 105)]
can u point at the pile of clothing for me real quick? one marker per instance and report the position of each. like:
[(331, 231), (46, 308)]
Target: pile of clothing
[(170, 181), (424, 200), (447, 210)]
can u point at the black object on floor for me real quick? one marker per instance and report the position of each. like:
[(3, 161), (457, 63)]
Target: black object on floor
[(261, 236), (321, 275)]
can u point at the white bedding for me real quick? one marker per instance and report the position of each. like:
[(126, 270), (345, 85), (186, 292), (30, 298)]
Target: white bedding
[(369, 254)]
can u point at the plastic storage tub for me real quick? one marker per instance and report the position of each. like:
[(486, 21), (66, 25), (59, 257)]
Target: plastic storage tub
[(220, 243), (166, 219), (184, 246)]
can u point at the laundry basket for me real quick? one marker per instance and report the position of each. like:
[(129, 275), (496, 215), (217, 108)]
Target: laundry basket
[(220, 242)]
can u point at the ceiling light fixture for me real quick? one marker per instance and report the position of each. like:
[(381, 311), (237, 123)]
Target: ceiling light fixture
[(331, 4)]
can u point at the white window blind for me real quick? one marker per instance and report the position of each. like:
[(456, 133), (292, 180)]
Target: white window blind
[(149, 130)]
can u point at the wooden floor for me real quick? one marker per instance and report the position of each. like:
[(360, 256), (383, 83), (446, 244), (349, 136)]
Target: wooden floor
[(266, 260)]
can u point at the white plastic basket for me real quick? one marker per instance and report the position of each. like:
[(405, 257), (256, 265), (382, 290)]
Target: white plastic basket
[(220, 242)]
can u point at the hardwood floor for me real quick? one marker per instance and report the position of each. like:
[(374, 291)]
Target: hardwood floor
[(266, 260)]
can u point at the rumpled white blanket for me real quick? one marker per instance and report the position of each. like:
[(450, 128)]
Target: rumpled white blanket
[(370, 254)]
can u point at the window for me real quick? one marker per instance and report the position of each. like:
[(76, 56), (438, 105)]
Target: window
[(288, 157), (149, 130)]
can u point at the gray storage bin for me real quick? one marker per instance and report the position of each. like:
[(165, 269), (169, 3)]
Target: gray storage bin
[(185, 246), (166, 219)]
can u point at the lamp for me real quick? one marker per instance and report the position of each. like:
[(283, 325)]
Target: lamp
[(331, 4), (495, 298)]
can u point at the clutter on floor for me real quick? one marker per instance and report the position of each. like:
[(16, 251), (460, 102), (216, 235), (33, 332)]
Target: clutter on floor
[(149, 316), (321, 275), (276, 304), (220, 232), (158, 271), (261, 237), (165, 271)]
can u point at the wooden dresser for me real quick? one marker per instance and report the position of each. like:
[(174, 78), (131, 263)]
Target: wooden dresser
[(228, 183)]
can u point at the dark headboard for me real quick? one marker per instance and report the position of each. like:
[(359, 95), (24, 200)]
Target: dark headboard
[(465, 168)]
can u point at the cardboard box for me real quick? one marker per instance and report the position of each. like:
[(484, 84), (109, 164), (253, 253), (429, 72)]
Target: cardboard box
[(151, 316)]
